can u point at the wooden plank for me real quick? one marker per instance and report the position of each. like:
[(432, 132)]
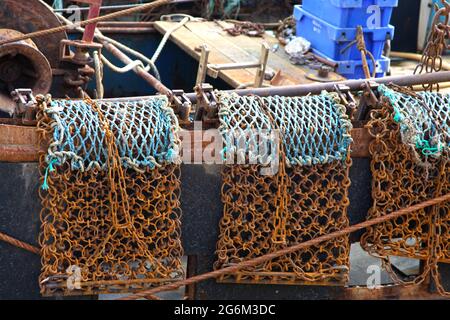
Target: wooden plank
[(188, 41), (252, 45), (278, 60), (229, 49), (18, 144), (219, 41)]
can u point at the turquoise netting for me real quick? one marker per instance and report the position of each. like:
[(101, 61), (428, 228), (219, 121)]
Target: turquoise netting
[(145, 133), (424, 120), (314, 129)]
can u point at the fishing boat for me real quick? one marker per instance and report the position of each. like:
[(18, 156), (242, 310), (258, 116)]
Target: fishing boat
[(173, 149)]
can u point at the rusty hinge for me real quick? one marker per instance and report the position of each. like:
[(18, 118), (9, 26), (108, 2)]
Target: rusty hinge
[(181, 104), (207, 103)]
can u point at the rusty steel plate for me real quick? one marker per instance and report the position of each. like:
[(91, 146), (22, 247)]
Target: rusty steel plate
[(24, 136)]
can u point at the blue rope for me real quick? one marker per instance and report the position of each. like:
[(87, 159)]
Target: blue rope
[(315, 129), (428, 125), (145, 133), (50, 168)]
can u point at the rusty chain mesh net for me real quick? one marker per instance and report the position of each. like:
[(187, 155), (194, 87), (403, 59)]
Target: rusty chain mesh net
[(410, 164), (110, 196), (306, 197)]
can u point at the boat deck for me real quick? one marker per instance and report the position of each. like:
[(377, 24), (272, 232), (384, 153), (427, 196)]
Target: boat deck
[(236, 49)]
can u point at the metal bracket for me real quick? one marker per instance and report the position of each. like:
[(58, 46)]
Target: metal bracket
[(347, 99), (182, 104), (368, 99), (81, 55), (207, 105), (202, 65), (205, 68), (26, 103)]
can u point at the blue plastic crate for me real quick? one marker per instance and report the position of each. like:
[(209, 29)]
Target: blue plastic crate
[(353, 69), (370, 14), (334, 42)]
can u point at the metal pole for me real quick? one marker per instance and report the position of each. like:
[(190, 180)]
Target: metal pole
[(140, 71), (317, 88)]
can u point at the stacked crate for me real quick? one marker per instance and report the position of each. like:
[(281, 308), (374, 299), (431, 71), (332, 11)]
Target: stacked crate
[(331, 27)]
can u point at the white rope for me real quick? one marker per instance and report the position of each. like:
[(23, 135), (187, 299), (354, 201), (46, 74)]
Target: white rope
[(167, 35), (98, 75), (131, 66)]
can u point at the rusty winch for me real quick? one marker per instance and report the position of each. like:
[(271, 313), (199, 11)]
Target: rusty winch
[(36, 65), (22, 65)]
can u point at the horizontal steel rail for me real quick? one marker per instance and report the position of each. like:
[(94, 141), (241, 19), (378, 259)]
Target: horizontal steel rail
[(317, 88)]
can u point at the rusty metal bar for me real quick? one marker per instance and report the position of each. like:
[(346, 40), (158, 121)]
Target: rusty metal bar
[(21, 143), (139, 70), (317, 88)]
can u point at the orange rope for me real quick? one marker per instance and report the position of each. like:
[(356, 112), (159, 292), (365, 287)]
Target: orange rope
[(19, 244), (257, 261)]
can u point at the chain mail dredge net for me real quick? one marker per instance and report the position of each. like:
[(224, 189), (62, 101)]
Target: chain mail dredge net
[(305, 198), (110, 196), (410, 164)]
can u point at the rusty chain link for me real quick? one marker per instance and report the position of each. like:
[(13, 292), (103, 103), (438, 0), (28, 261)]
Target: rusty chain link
[(267, 213), (118, 225), (436, 45), (403, 176), (250, 29)]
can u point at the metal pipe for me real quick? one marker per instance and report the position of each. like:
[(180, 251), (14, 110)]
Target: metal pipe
[(317, 88), (237, 65), (139, 70)]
